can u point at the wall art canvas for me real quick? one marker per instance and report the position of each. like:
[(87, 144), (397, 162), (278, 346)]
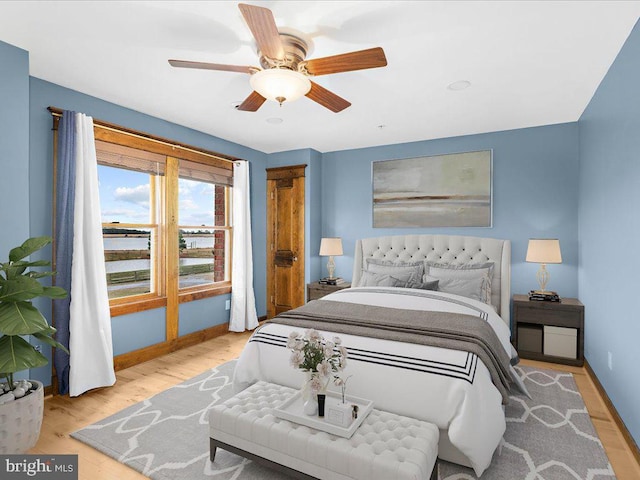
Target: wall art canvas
[(452, 190)]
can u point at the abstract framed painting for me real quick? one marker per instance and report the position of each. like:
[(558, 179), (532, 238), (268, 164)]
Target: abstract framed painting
[(451, 190)]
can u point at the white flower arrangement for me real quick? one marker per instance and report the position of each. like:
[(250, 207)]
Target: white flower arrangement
[(321, 358)]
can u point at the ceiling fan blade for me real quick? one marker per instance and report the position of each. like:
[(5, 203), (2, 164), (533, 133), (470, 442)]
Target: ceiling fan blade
[(326, 98), (347, 62), (252, 103), (211, 66), (263, 27)]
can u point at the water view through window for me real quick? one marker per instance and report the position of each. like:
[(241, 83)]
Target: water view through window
[(128, 260), (131, 205), (201, 248)]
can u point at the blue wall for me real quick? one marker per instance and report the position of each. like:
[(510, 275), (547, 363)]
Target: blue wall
[(535, 194), (609, 230), (139, 330), (14, 151), (315, 269), (14, 148)]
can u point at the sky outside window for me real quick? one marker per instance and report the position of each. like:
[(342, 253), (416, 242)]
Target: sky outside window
[(195, 202), (124, 198)]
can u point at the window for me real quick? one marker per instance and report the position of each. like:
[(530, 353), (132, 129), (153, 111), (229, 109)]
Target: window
[(129, 231), (147, 199), (204, 227)]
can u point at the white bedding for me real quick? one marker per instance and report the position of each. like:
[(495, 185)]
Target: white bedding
[(452, 389)]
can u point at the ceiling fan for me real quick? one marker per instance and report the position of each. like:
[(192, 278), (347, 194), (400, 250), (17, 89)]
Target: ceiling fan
[(285, 74)]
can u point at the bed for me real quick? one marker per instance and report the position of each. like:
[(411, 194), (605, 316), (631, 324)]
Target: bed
[(455, 389)]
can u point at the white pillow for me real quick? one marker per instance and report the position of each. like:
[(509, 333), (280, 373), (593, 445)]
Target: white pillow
[(370, 279), (471, 280), (467, 287), (403, 271)]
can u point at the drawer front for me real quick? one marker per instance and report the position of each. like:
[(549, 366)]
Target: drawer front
[(315, 294), (529, 338), (560, 318)]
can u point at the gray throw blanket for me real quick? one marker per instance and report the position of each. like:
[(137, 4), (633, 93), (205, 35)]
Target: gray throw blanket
[(438, 329)]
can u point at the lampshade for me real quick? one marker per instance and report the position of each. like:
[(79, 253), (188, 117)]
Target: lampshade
[(330, 246), (280, 84), (544, 250)]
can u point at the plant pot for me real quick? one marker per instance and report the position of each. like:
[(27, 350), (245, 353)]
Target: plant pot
[(20, 422)]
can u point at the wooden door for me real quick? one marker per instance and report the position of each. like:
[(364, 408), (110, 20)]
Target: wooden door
[(285, 238)]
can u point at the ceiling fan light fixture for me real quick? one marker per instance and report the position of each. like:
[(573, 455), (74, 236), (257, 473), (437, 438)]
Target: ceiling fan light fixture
[(280, 84)]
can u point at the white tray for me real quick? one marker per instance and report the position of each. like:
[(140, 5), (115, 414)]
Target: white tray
[(292, 410)]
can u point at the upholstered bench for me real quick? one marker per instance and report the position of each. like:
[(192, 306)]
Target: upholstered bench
[(385, 447)]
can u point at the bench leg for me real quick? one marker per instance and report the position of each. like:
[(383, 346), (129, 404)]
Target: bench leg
[(212, 450), (290, 472), (434, 473)]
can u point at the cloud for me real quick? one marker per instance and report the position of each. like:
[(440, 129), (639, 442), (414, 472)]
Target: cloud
[(207, 188), (185, 187), (188, 204), (198, 218), (138, 195)]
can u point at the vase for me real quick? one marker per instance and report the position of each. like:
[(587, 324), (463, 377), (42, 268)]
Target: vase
[(310, 407), (305, 390), (309, 395)]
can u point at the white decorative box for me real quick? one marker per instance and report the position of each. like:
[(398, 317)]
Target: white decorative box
[(340, 414), (292, 410), (561, 342)]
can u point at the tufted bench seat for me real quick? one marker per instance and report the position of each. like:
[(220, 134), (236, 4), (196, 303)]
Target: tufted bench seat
[(385, 447)]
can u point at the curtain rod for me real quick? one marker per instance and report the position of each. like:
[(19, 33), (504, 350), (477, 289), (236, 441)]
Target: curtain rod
[(57, 112)]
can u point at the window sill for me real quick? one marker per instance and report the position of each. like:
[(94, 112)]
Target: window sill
[(138, 305), (206, 291), (124, 307)]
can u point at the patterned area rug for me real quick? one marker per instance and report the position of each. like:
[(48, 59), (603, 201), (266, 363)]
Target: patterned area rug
[(166, 436), (548, 437)]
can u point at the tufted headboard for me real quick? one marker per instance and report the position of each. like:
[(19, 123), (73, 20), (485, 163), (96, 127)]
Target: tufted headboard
[(453, 249)]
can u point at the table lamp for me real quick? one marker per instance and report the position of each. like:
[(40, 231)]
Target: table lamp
[(331, 247), (543, 251)]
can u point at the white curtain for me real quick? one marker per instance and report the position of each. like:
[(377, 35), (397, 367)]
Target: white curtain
[(91, 359), (243, 303)]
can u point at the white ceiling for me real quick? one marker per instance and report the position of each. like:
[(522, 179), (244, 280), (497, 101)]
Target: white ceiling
[(529, 63)]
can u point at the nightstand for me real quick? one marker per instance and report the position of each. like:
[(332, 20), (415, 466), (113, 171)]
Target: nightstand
[(318, 290), (549, 331)]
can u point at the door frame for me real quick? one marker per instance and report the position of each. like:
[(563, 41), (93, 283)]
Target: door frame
[(295, 173)]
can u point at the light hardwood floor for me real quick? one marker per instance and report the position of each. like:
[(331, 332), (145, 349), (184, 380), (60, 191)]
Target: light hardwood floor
[(64, 415)]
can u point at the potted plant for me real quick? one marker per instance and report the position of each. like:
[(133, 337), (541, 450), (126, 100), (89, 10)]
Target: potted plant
[(22, 403)]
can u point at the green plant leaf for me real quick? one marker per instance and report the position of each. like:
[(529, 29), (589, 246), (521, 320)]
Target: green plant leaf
[(41, 274), (19, 285), (28, 247), (17, 354), (14, 270), (47, 337), (21, 318), (20, 289), (54, 292), (35, 263)]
